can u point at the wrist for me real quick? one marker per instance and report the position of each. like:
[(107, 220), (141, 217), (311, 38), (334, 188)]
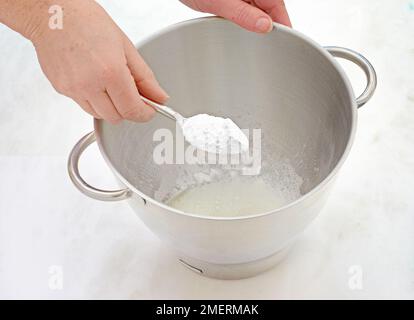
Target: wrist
[(36, 22), (30, 18)]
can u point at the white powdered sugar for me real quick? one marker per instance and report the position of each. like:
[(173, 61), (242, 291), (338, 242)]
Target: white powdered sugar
[(214, 134)]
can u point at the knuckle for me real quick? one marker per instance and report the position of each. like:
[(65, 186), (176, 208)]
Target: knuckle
[(147, 75), (132, 113), (61, 86), (62, 89), (109, 74), (79, 86), (73, 87), (207, 5), (242, 12)]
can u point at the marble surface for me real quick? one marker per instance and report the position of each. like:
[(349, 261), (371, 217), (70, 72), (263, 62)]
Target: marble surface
[(56, 243)]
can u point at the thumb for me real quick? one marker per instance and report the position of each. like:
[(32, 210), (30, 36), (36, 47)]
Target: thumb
[(243, 14)]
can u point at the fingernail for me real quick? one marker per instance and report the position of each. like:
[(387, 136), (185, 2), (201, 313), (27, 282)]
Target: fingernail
[(264, 25)]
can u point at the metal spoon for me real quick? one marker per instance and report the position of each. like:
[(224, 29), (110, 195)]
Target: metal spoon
[(237, 135), (165, 111)]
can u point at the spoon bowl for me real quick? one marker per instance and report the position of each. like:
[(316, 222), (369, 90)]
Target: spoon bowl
[(208, 133)]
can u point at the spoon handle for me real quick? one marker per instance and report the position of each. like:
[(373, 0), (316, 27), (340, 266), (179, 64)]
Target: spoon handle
[(164, 110)]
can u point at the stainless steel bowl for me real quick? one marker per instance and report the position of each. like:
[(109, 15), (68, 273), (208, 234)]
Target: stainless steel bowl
[(292, 88)]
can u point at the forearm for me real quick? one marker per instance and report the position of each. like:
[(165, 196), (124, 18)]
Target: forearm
[(27, 17)]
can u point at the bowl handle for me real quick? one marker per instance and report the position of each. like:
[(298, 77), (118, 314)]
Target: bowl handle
[(364, 64), (85, 188)]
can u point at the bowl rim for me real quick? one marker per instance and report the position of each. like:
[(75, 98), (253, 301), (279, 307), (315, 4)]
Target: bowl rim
[(315, 190)]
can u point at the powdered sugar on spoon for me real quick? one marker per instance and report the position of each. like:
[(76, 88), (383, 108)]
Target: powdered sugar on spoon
[(208, 133)]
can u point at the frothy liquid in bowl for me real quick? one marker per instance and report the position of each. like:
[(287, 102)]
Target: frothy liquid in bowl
[(226, 190), (238, 197)]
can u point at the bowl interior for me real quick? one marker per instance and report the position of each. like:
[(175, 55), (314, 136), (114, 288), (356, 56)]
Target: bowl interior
[(280, 83)]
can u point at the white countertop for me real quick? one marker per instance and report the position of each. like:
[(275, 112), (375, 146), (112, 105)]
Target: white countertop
[(104, 251)]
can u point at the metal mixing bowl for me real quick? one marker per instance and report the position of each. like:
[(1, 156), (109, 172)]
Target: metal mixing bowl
[(287, 85)]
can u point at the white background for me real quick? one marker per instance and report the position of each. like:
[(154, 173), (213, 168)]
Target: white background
[(105, 251)]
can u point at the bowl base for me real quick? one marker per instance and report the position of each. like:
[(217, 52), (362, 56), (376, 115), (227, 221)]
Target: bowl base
[(234, 271)]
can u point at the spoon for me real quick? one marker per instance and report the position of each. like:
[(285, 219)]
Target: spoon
[(206, 132), (165, 111)]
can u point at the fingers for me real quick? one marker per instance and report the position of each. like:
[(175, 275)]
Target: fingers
[(86, 106), (242, 13), (143, 76), (276, 9), (125, 96), (119, 98), (105, 108)]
